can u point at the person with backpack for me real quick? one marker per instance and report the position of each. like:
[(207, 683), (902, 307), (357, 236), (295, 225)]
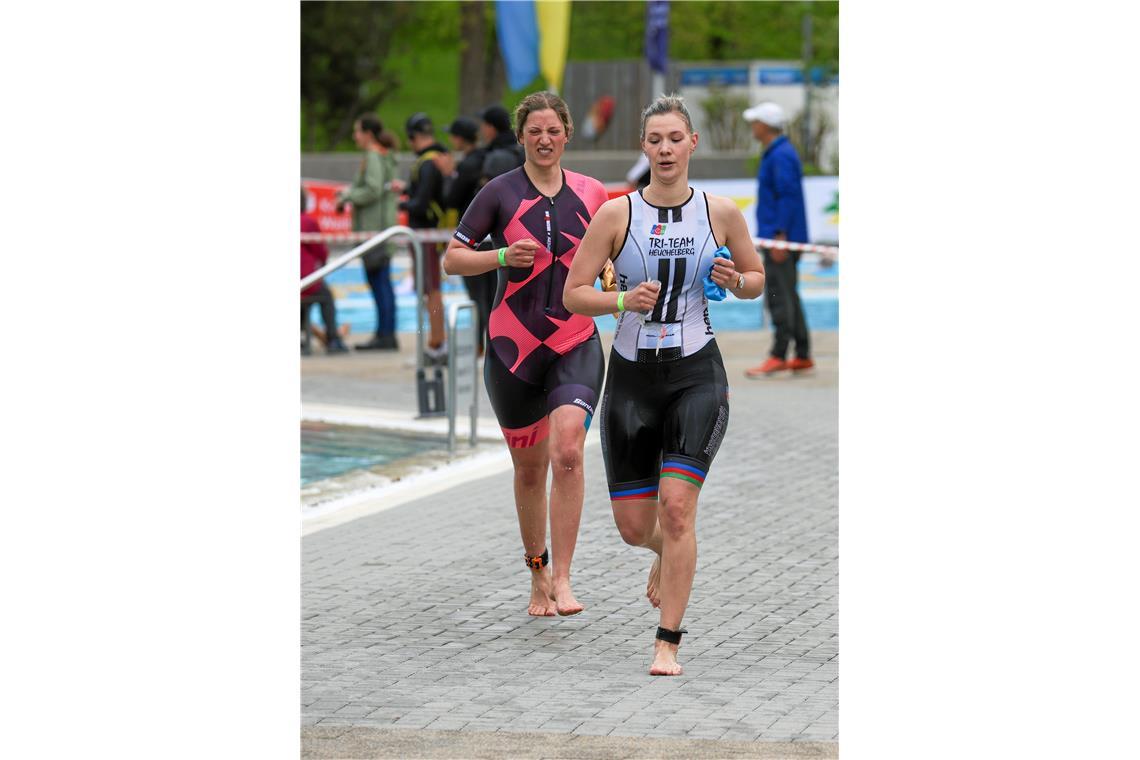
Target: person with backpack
[(425, 208), (461, 182)]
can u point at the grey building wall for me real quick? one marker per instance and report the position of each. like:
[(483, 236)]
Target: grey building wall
[(606, 158), (606, 166)]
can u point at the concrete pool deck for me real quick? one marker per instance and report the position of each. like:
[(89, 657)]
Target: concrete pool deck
[(415, 641)]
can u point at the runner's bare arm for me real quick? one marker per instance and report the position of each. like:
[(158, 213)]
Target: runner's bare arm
[(729, 222), (601, 242), (459, 259)]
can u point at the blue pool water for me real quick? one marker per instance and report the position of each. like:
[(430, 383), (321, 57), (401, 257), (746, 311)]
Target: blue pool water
[(819, 291), (328, 450)]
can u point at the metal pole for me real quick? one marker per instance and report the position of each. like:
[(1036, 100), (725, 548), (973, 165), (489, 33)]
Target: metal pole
[(453, 359), (452, 319), (420, 296), (805, 125), (474, 373)]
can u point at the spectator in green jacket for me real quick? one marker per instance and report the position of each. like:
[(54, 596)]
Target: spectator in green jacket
[(373, 202)]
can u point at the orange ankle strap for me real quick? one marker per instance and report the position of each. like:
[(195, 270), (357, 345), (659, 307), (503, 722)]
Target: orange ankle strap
[(539, 562)]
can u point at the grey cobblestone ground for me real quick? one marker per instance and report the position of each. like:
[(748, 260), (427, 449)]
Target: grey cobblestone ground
[(414, 618)]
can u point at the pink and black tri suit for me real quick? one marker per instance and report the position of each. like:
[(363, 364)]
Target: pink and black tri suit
[(541, 356)]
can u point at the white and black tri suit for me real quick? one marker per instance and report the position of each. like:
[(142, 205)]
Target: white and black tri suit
[(665, 403)]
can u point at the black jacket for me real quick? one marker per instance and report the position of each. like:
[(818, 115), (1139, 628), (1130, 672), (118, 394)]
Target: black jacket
[(503, 154), (425, 191), (461, 190)]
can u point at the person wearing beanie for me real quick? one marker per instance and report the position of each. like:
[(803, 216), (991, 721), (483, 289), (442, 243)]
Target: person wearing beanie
[(780, 215), (497, 119), (503, 150)]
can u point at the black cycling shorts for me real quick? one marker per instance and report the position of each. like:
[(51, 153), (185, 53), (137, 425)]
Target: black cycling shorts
[(522, 408), (662, 419)]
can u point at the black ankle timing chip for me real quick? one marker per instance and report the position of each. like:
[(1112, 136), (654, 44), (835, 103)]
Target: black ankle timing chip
[(539, 562), (670, 637)]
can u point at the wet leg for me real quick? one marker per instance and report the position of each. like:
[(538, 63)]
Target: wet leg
[(530, 504)]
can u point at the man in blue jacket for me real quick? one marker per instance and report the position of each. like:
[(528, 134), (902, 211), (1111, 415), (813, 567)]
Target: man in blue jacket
[(780, 215)]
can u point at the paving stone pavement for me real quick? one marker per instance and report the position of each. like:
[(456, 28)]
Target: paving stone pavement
[(415, 617)]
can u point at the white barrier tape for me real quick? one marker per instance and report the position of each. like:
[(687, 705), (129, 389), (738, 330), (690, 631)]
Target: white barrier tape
[(829, 250), (443, 236), (426, 236)]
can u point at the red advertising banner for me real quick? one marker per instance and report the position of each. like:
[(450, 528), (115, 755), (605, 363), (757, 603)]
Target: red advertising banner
[(320, 201)]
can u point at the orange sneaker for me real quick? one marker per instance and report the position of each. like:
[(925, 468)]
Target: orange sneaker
[(767, 368), (800, 365)]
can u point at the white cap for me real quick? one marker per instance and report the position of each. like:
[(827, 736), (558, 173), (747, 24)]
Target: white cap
[(769, 113)]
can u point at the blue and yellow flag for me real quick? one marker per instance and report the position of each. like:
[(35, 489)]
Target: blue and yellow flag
[(518, 40), (533, 36), (554, 39)]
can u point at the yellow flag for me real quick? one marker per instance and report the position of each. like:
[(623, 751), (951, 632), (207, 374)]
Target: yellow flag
[(554, 38)]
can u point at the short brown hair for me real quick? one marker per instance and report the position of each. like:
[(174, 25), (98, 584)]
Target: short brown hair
[(540, 101)]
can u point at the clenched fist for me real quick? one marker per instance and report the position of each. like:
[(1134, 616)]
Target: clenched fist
[(521, 253), (642, 298)]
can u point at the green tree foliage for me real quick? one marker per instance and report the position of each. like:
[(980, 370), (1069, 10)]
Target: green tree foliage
[(342, 46), (481, 72), (396, 58), (708, 30), (607, 31), (357, 56), (723, 125)]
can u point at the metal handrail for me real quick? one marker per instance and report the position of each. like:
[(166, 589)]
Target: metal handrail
[(365, 247), (360, 250)]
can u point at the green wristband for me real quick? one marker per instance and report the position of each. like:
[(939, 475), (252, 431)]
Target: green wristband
[(502, 257), (621, 301)]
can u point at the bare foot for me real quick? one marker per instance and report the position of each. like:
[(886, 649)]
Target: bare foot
[(541, 603), (654, 579), (564, 601), (665, 660)]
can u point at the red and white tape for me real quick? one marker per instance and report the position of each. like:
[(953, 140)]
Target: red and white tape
[(827, 250), (424, 236), (443, 236)]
